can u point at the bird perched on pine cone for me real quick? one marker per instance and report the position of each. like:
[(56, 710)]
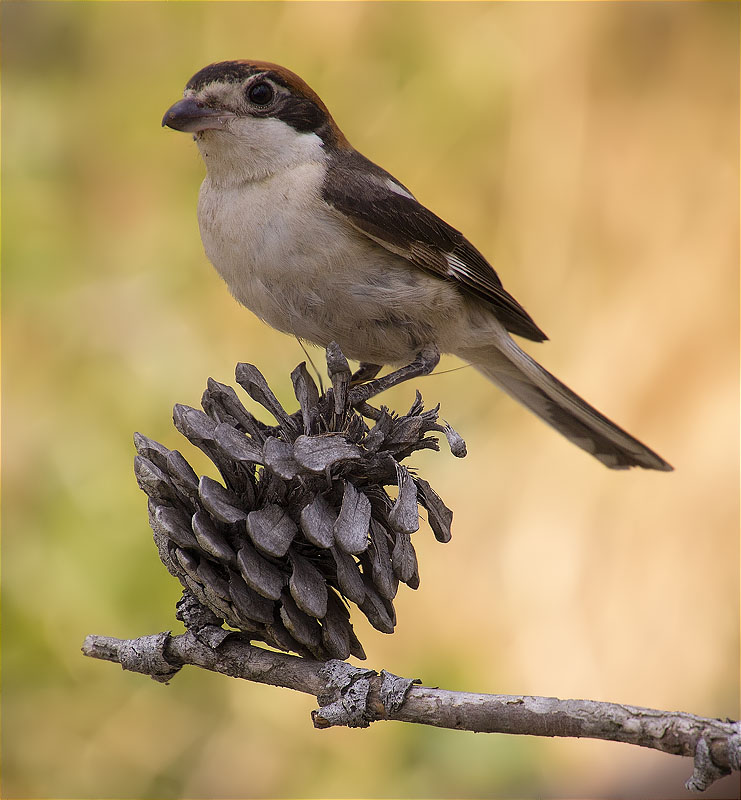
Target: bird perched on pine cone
[(321, 243)]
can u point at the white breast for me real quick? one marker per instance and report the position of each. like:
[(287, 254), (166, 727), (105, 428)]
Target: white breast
[(274, 243), (301, 267)]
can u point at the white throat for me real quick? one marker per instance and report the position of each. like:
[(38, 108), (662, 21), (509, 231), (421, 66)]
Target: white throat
[(250, 149)]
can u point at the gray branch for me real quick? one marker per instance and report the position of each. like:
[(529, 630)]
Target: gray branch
[(355, 697)]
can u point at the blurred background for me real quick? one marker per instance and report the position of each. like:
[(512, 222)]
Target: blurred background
[(590, 151)]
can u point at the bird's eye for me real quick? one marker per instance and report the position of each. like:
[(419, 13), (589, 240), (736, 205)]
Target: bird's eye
[(260, 94)]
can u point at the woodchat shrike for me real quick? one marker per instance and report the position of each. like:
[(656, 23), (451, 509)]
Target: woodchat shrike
[(321, 243)]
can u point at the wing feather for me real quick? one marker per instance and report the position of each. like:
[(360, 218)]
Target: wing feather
[(384, 210)]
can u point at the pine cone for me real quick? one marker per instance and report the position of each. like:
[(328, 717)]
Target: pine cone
[(302, 523)]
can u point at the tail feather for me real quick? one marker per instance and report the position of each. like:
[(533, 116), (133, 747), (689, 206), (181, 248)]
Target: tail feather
[(526, 381)]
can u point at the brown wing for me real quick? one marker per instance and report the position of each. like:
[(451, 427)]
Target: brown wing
[(383, 209)]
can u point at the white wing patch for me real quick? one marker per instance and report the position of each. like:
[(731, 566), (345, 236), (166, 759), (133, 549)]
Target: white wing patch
[(397, 188), (457, 267)]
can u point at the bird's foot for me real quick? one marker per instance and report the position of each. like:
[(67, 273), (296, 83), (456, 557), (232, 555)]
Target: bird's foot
[(365, 372), (426, 360)]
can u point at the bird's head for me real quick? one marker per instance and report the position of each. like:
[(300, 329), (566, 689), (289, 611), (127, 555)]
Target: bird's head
[(252, 118)]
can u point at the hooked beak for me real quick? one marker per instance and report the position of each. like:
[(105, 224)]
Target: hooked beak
[(191, 116)]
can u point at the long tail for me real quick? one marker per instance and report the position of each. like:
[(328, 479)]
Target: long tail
[(526, 381)]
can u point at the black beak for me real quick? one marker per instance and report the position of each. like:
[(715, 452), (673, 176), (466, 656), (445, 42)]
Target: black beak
[(191, 116)]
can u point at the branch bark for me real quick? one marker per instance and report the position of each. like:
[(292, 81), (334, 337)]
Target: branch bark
[(355, 697)]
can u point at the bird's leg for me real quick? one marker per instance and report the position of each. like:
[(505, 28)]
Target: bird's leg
[(364, 372), (426, 360)]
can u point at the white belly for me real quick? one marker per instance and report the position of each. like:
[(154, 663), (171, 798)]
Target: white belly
[(299, 266)]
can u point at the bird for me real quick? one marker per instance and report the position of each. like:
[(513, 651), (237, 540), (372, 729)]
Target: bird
[(321, 243)]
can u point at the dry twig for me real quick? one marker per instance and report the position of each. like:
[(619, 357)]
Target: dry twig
[(355, 697)]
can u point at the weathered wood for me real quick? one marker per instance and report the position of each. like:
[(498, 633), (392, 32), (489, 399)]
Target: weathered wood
[(351, 526), (220, 502), (714, 744), (271, 530), (307, 586)]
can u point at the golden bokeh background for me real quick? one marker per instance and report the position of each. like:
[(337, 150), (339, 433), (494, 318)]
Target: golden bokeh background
[(590, 150)]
